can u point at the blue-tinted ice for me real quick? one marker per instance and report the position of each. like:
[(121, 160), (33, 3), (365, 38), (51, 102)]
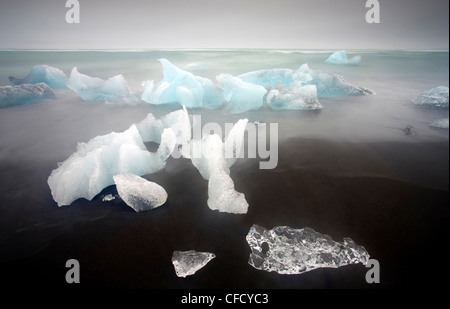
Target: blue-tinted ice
[(24, 94), (327, 83), (240, 96), (340, 57), (114, 89), (183, 87), (53, 77)]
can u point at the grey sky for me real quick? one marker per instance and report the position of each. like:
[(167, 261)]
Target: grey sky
[(303, 24)]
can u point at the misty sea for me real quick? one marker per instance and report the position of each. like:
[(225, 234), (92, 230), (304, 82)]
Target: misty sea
[(366, 167)]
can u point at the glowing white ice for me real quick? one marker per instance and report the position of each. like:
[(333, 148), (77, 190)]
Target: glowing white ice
[(212, 158), (92, 167), (96, 89)]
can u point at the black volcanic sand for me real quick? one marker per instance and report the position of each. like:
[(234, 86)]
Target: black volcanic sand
[(390, 198)]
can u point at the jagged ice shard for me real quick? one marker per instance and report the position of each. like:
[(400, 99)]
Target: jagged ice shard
[(435, 98), (240, 96), (24, 94), (90, 88), (53, 77), (294, 251), (340, 57), (213, 158), (92, 167), (187, 263), (139, 193), (183, 87)]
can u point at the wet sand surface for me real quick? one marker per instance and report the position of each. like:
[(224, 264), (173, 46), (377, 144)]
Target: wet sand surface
[(390, 197)]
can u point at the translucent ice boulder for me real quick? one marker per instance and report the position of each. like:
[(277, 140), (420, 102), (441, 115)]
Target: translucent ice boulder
[(340, 57), (139, 193), (434, 98), (213, 158), (295, 97), (89, 88), (295, 251), (24, 94), (277, 77), (440, 123), (240, 96), (53, 77), (327, 83), (187, 263), (92, 167), (183, 87)]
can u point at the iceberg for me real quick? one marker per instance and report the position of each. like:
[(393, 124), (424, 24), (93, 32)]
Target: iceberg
[(187, 263), (440, 123), (24, 94), (96, 89), (53, 77), (295, 251), (212, 158), (340, 57), (240, 96), (183, 87), (434, 98), (296, 97), (139, 193), (92, 167), (327, 83), (281, 77)]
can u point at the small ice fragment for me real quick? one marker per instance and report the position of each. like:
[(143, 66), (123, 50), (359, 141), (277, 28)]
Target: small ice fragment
[(24, 94), (53, 77), (440, 123), (340, 57), (434, 98), (187, 263), (294, 251), (108, 198), (139, 193), (95, 89)]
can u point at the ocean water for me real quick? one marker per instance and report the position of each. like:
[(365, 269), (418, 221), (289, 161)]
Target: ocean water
[(361, 136)]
